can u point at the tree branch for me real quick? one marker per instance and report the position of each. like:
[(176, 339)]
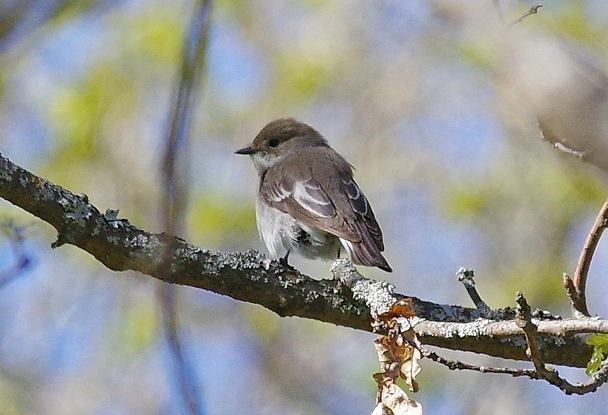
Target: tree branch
[(466, 277), (549, 374), (531, 11), (250, 277), (579, 279)]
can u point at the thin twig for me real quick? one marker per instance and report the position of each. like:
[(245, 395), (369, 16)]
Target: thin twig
[(595, 381), (541, 371), (549, 374), (524, 321), (458, 365), (579, 279), (560, 144), (533, 10), (575, 301), (466, 277)]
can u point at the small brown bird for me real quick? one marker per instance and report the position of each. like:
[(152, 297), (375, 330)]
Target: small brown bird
[(308, 201)]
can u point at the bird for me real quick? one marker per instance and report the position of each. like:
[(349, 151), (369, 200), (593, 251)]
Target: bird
[(307, 200)]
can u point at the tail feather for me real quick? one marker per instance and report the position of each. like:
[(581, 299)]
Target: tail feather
[(366, 253)]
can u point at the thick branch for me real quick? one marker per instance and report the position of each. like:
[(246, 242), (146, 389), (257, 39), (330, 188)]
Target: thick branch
[(251, 277)]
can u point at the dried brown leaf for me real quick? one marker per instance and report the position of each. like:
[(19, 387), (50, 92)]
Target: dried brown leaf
[(401, 308), (410, 368), (393, 398), (398, 358)]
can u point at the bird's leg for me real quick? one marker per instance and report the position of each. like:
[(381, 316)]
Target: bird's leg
[(283, 260)]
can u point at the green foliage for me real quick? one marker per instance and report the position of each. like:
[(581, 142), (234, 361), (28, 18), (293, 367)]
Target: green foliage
[(560, 189), (137, 327), (299, 77), (480, 53), (109, 112), (524, 209), (78, 112), (71, 9), (9, 399), (229, 8), (81, 115), (265, 326), (574, 21), (600, 351), (2, 81), (219, 221), (539, 279), (155, 36)]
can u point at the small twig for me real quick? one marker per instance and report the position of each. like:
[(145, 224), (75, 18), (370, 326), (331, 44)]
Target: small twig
[(597, 379), (466, 277), (579, 279), (540, 371), (524, 320), (569, 150), (575, 301), (533, 10), (547, 134), (458, 365)]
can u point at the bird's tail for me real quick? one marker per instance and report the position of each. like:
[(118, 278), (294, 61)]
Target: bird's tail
[(366, 253)]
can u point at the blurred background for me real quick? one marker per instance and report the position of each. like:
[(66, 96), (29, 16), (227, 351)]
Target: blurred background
[(417, 95)]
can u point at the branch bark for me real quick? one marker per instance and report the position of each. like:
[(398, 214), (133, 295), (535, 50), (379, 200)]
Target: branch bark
[(249, 276), (579, 279)]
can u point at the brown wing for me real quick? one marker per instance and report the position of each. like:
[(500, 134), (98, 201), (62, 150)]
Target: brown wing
[(302, 196), (318, 190), (362, 208)]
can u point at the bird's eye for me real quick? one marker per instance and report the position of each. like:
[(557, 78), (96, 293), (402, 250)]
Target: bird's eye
[(274, 143)]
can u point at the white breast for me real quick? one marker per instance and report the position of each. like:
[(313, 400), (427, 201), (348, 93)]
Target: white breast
[(282, 233), (277, 229)]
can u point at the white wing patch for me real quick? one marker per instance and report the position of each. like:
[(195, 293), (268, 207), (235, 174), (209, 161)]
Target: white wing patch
[(278, 193), (310, 196)]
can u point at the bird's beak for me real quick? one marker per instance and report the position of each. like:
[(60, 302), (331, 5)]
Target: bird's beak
[(245, 150)]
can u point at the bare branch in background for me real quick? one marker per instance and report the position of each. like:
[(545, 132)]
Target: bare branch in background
[(175, 192), (564, 87), (174, 159), (533, 10)]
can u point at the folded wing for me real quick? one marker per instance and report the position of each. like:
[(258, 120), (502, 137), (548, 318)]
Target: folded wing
[(325, 196)]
